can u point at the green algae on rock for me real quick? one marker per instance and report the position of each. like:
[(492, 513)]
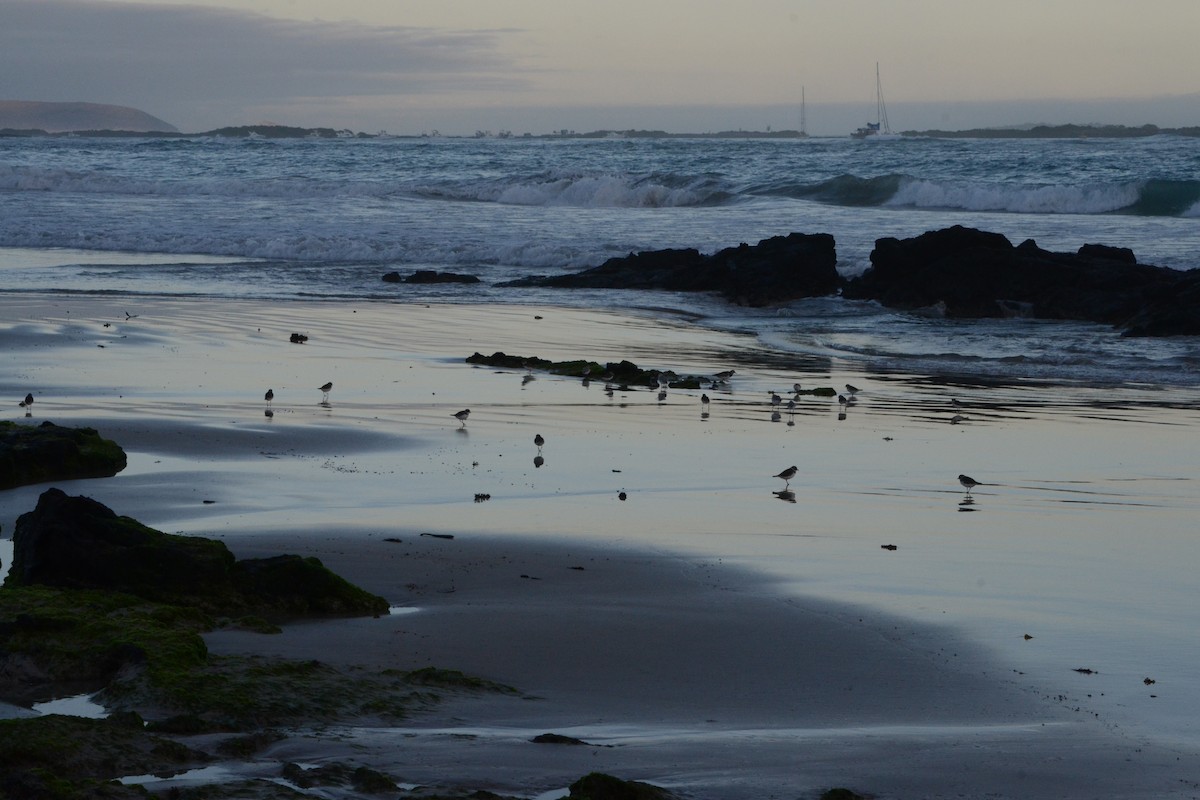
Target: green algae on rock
[(79, 543), (48, 452), (623, 373)]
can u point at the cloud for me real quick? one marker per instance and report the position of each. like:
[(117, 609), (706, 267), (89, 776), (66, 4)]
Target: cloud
[(169, 60)]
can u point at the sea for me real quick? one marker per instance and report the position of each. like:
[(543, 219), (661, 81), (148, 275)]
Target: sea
[(1085, 541), (327, 218)]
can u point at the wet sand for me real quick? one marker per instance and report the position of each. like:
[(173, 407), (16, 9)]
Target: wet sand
[(722, 641)]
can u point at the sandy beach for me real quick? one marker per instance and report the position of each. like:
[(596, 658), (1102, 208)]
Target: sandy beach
[(705, 633)]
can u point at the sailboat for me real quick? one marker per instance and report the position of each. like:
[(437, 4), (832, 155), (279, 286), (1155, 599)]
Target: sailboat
[(803, 121), (879, 130)]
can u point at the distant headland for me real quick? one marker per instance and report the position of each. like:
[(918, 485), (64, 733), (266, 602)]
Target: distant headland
[(36, 118), (33, 118)]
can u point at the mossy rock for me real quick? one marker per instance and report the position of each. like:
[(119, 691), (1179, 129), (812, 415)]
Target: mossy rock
[(78, 543), (67, 757), (624, 373), (47, 452), (294, 586), (52, 636)]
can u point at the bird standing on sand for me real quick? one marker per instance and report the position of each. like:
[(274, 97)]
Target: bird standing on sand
[(461, 416), (705, 400), (969, 483), (775, 399), (325, 391), (787, 476), (27, 402), (851, 389), (269, 396), (726, 375), (539, 441)]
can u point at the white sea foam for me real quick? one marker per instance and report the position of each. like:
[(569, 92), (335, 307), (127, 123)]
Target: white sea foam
[(1049, 199)]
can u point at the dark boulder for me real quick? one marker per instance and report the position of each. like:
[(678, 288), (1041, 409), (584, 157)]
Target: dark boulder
[(968, 273), (599, 786), (79, 543), (776, 270), (49, 452), (430, 276)]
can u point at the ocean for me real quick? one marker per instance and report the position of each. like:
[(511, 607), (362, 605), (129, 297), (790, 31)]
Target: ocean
[(1084, 540), (318, 219)]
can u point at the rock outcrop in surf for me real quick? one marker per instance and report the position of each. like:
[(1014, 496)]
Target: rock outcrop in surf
[(773, 271), (967, 273)]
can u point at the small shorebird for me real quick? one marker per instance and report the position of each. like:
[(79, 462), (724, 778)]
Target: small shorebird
[(842, 401), (969, 483), (775, 399), (269, 396), (461, 416), (851, 389), (27, 402), (325, 391), (787, 475), (539, 441), (705, 400), (795, 388), (726, 375)]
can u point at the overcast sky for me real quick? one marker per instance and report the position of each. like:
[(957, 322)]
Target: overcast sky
[(540, 65)]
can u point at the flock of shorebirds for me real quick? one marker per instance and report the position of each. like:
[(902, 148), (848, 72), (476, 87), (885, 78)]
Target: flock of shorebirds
[(719, 379)]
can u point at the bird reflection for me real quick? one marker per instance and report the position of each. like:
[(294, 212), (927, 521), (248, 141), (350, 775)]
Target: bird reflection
[(268, 413), (966, 503), (786, 494), (526, 379), (538, 461)]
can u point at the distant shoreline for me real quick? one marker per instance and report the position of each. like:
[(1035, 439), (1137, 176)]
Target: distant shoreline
[(289, 132)]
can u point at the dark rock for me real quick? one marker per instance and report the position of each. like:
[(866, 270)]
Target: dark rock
[(776, 270), (51, 453), (78, 543), (967, 273), (1123, 254), (624, 373), (1173, 311), (556, 738), (392, 277), (431, 276), (599, 786)]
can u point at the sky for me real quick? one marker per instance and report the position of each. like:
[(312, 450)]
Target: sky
[(457, 66)]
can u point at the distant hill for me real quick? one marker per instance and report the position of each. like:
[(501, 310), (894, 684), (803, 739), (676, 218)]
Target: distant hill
[(1059, 132), (28, 115)]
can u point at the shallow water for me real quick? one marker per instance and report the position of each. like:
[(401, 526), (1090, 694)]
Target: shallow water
[(1082, 536)]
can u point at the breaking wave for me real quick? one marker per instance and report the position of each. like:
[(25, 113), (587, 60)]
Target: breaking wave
[(1152, 198)]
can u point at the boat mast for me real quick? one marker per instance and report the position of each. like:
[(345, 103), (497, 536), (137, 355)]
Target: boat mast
[(880, 108)]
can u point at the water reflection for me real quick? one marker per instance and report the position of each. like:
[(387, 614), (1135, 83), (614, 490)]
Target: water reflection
[(786, 494)]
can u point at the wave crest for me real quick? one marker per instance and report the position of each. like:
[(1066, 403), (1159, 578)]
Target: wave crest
[(590, 191)]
